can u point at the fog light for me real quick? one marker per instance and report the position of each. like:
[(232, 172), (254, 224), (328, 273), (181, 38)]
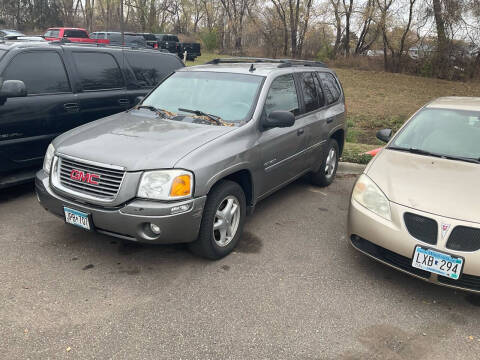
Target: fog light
[(180, 208), (155, 229)]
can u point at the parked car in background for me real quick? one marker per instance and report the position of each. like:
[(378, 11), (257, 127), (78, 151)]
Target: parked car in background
[(18, 38), (51, 88), (115, 38), (173, 45), (189, 162), (77, 35), (150, 39), (10, 32), (415, 208)]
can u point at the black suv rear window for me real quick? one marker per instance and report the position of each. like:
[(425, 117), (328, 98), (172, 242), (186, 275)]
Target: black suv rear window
[(98, 71)]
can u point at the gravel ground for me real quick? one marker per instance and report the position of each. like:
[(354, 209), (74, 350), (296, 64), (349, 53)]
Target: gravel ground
[(293, 289)]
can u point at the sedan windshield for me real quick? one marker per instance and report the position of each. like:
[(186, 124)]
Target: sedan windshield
[(442, 132), (228, 96)]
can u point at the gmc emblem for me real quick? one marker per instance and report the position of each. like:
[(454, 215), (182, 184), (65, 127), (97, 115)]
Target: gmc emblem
[(78, 175)]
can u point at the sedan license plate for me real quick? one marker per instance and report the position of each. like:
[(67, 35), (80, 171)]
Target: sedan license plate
[(77, 218), (437, 262)]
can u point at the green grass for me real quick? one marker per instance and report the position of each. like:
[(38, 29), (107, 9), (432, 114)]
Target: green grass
[(206, 57), (353, 152)]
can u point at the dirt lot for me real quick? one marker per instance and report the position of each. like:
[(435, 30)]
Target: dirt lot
[(293, 289)]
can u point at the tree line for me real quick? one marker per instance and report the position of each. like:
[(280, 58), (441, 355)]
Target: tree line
[(431, 37)]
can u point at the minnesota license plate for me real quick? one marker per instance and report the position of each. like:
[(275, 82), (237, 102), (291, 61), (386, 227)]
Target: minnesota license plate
[(437, 262), (77, 218)]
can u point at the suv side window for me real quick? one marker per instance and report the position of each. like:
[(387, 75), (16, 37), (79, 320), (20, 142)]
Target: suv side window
[(330, 86), (52, 33), (150, 69), (282, 95), (309, 90), (42, 72), (98, 71)]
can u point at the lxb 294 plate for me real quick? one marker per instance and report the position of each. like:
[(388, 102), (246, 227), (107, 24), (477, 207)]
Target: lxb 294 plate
[(437, 262)]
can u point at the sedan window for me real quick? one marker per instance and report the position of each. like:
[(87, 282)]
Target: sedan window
[(443, 132)]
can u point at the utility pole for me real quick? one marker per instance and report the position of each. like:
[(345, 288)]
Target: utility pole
[(121, 22)]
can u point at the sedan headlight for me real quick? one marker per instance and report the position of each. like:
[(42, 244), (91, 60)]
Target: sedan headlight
[(368, 194), (166, 185), (47, 161)]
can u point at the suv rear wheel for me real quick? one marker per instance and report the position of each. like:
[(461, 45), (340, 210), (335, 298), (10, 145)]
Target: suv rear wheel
[(328, 169), (222, 222)]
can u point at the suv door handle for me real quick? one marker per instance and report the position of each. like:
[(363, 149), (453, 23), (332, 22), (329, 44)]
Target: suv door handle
[(71, 107), (300, 131), (123, 101), (329, 120)]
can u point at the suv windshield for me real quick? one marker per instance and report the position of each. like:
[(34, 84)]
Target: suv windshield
[(442, 132), (228, 96)]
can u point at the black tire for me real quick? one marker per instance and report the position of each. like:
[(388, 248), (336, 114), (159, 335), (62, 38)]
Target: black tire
[(322, 177), (205, 245)]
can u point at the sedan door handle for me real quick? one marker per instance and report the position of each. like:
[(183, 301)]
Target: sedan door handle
[(71, 107), (123, 101), (300, 131)]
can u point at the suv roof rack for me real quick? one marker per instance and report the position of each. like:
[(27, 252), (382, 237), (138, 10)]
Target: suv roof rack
[(281, 62)]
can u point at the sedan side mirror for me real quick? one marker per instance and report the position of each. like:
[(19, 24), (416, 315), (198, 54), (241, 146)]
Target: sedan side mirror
[(279, 118), (384, 135)]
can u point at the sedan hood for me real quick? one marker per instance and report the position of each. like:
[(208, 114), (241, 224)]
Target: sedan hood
[(439, 186), (136, 140)]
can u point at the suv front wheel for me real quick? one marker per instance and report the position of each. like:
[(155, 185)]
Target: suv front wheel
[(325, 175), (222, 221)]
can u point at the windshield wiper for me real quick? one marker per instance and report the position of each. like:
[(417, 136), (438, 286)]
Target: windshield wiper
[(162, 112), (216, 119), (428, 153)]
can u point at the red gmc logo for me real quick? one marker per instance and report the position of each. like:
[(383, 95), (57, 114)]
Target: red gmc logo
[(84, 177)]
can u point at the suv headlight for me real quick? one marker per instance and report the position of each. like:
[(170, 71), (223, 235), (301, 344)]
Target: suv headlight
[(47, 161), (368, 194), (166, 185)]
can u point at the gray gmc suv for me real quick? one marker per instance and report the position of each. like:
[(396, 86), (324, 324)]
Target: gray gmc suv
[(191, 160)]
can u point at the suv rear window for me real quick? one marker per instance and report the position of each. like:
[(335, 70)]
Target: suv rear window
[(149, 37), (98, 71), (75, 34), (41, 71), (330, 87), (52, 33)]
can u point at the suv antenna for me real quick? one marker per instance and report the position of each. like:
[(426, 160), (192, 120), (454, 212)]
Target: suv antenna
[(252, 68)]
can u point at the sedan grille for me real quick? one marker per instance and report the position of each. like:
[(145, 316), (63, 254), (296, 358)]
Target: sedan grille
[(464, 239), (466, 281), (93, 180), (421, 228)]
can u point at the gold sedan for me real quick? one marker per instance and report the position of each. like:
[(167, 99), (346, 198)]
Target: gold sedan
[(416, 207)]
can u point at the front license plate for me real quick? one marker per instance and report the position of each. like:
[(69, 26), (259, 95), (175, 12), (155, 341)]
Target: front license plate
[(437, 262), (77, 218)]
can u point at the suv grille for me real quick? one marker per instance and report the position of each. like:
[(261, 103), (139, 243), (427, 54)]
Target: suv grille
[(421, 228), (89, 179), (464, 238)]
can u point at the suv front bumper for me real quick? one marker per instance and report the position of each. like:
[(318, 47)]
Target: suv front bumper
[(131, 221)]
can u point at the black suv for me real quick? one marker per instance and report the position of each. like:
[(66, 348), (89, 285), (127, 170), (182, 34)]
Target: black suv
[(46, 89)]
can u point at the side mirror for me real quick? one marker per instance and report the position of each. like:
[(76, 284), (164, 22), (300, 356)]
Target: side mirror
[(138, 100), (384, 135), (280, 118), (12, 88)]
